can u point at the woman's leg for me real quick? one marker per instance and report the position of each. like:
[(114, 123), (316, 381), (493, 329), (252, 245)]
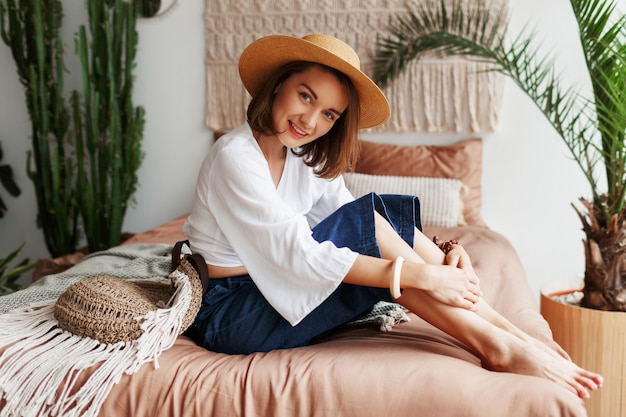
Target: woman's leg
[(392, 245), (500, 344), (499, 349), (235, 318)]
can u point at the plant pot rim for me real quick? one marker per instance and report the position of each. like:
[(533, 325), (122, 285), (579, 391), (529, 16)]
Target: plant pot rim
[(562, 285), (566, 285)]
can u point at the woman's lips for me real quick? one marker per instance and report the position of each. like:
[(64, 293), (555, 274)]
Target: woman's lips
[(296, 131)]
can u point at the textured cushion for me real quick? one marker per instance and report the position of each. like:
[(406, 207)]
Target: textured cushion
[(462, 160), (440, 198)]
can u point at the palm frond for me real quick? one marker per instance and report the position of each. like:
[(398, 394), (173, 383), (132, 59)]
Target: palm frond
[(425, 31), (592, 128), (604, 47), (611, 123), (596, 29)]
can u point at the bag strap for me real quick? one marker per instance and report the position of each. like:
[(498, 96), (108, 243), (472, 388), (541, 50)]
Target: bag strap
[(199, 264), (196, 260), (176, 250)]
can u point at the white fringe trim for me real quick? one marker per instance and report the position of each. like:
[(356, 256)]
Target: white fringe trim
[(41, 363)]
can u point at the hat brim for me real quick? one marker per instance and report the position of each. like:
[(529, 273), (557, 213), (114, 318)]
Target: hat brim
[(266, 55)]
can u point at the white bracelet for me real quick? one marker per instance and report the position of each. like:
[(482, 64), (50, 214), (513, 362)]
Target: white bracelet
[(394, 285)]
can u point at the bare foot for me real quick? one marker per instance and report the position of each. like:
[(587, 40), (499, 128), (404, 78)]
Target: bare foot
[(533, 359), (553, 347), (495, 318)]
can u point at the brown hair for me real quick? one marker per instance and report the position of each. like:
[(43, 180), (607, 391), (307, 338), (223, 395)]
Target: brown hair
[(329, 155)]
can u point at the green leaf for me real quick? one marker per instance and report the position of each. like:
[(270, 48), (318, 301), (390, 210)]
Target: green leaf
[(592, 127)]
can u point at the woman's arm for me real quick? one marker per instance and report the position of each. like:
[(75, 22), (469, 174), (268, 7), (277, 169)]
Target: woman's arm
[(447, 284), (448, 278)]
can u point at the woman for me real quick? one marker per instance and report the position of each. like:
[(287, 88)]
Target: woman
[(292, 255)]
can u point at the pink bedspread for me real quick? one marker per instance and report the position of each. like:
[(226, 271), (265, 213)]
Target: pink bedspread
[(413, 370)]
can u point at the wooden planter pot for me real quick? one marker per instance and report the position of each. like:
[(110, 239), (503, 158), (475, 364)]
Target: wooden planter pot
[(596, 340)]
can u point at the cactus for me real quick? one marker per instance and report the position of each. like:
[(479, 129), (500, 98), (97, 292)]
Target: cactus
[(85, 174), (108, 128), (31, 30)]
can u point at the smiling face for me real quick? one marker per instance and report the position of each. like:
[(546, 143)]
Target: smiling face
[(279, 115), (307, 105)]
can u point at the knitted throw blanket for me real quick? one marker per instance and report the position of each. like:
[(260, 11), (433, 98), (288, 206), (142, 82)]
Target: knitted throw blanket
[(435, 95), (139, 261)]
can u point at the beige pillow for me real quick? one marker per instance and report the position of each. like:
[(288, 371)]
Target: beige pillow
[(440, 198), (462, 161)]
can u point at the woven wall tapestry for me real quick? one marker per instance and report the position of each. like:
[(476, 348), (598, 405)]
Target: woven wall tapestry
[(434, 95)]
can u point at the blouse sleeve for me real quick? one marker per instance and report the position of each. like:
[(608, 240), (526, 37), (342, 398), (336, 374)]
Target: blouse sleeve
[(335, 195), (294, 272)]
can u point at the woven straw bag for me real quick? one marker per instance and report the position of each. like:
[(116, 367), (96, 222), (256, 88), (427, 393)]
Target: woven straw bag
[(110, 309)]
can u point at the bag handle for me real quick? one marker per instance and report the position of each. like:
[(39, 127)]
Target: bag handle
[(196, 260), (176, 250), (199, 264)]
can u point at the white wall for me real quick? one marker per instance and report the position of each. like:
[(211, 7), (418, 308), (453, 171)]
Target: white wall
[(528, 185)]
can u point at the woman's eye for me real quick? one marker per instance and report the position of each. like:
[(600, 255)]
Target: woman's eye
[(329, 115), (305, 97)]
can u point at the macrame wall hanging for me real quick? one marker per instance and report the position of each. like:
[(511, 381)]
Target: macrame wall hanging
[(435, 95)]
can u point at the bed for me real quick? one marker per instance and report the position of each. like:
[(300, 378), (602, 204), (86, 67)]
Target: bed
[(411, 370)]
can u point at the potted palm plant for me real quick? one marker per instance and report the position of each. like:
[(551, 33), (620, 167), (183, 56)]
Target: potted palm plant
[(593, 127)]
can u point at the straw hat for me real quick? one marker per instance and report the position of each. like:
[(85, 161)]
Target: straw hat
[(266, 55)]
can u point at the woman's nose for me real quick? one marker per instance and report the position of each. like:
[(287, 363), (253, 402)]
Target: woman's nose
[(309, 119)]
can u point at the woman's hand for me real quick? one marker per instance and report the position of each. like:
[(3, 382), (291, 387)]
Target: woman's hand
[(453, 285), (459, 258)]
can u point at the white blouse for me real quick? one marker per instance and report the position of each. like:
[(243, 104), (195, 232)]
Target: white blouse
[(239, 217)]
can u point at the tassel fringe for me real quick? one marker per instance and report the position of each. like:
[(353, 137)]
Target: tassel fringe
[(41, 363)]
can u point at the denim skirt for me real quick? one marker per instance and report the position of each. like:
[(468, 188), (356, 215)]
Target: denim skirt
[(235, 318)]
